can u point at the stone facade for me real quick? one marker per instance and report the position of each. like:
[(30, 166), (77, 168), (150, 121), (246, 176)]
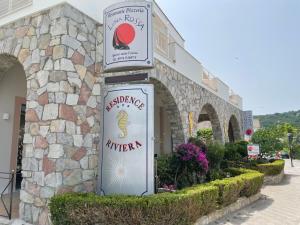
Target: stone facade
[(191, 97), (57, 49), (182, 96), (61, 53)]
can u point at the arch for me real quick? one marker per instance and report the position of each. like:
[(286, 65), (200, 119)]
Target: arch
[(168, 117), (13, 91), (208, 113), (234, 131)]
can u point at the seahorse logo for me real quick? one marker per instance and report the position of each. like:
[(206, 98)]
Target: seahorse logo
[(122, 123)]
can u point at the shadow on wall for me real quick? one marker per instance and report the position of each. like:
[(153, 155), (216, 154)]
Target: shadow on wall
[(168, 125), (209, 114)]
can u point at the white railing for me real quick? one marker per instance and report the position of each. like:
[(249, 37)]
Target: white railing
[(183, 62), (10, 6)]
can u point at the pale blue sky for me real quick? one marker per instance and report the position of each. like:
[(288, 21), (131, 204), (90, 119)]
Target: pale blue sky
[(252, 45)]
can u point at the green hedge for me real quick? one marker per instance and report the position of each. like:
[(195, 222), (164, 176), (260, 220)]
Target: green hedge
[(251, 179), (245, 183), (183, 207), (271, 169)]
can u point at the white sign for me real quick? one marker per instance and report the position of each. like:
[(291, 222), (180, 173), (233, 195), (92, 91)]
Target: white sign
[(253, 151), (248, 120), (128, 36), (127, 156)]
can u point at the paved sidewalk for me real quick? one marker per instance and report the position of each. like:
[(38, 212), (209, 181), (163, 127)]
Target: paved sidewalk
[(280, 204)]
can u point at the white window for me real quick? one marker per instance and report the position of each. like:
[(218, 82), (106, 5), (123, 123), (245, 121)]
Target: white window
[(161, 36)]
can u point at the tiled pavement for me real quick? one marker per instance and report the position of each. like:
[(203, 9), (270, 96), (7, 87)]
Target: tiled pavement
[(15, 206), (280, 204)]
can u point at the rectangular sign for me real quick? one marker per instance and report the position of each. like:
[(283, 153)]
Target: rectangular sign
[(248, 120), (253, 151), (128, 36), (127, 155)]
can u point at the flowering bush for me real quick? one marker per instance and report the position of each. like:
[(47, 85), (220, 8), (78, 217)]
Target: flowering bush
[(192, 165), (191, 154)]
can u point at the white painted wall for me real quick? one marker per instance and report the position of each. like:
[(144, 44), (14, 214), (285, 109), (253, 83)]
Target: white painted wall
[(13, 84), (223, 89)]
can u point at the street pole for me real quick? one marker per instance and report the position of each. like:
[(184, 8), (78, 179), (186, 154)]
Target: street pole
[(290, 139)]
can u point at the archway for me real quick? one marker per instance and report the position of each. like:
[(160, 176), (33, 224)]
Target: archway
[(13, 89), (168, 125), (209, 119), (234, 132)]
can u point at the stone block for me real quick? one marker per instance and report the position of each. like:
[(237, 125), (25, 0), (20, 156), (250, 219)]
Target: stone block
[(56, 151), (57, 126), (50, 112), (53, 180), (72, 99)]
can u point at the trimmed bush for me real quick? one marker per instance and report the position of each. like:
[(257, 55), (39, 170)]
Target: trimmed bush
[(271, 169), (229, 190), (252, 181), (183, 207)]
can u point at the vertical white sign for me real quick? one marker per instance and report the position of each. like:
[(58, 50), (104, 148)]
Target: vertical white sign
[(248, 120), (128, 36), (127, 155)]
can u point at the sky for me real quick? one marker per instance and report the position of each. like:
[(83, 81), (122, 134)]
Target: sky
[(252, 45)]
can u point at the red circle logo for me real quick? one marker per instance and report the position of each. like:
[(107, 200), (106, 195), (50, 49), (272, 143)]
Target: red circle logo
[(125, 33), (249, 132)]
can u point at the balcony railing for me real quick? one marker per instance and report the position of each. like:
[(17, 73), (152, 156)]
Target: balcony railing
[(9, 6), (6, 195)]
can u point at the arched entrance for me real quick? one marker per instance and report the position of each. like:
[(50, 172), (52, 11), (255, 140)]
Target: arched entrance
[(208, 119), (234, 132), (168, 125), (13, 89)]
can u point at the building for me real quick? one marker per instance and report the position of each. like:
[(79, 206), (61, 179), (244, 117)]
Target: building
[(51, 79), (256, 124)]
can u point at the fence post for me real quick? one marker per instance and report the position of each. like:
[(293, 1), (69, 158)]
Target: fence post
[(11, 193)]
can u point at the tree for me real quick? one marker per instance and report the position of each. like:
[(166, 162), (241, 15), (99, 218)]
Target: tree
[(273, 138), (205, 134)]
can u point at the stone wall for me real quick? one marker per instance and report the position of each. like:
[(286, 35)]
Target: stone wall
[(272, 180), (57, 49), (183, 96), (191, 97)]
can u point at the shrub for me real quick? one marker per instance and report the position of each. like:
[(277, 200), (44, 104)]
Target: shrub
[(229, 190), (198, 142), (205, 134), (231, 152), (296, 151), (181, 208), (252, 181), (166, 169), (215, 154), (192, 165), (271, 169), (241, 147)]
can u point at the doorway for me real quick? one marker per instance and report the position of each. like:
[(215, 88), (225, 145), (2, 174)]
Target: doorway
[(17, 140), (19, 177)]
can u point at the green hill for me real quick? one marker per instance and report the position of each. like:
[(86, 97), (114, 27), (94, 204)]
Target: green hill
[(292, 117)]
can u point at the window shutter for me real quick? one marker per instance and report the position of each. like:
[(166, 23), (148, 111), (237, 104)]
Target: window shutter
[(17, 4), (4, 7)]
